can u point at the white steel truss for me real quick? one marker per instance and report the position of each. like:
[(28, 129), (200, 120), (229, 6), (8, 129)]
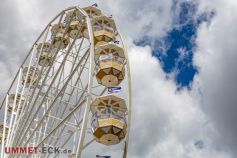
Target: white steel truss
[(56, 110)]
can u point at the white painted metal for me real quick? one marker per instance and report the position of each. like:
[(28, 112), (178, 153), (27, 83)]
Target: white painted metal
[(4, 126), (56, 111), (89, 97), (129, 93)]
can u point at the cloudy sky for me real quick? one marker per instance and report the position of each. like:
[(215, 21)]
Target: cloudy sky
[(183, 62)]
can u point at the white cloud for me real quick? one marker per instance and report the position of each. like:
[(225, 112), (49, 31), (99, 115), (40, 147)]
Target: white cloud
[(166, 122), (5, 77), (137, 18), (216, 58)]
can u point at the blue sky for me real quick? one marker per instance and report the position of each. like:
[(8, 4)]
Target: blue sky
[(179, 42), (189, 45)]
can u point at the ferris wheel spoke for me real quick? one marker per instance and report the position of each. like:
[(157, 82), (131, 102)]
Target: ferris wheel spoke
[(27, 56), (12, 120), (81, 97), (88, 143), (62, 146), (63, 82), (52, 104), (78, 123), (70, 95), (37, 94), (48, 89), (62, 122)]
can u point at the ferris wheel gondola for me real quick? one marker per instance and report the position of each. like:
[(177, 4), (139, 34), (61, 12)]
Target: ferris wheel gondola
[(58, 97)]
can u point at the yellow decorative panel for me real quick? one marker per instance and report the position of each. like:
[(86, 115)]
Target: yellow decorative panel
[(111, 122)]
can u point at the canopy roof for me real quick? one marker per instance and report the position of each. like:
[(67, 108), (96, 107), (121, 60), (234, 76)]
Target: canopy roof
[(72, 13), (104, 20), (107, 49), (92, 9), (58, 26)]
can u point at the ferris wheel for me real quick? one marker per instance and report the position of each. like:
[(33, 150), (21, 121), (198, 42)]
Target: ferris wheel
[(73, 90)]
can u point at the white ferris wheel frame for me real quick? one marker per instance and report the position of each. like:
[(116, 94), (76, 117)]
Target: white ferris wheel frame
[(90, 56)]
